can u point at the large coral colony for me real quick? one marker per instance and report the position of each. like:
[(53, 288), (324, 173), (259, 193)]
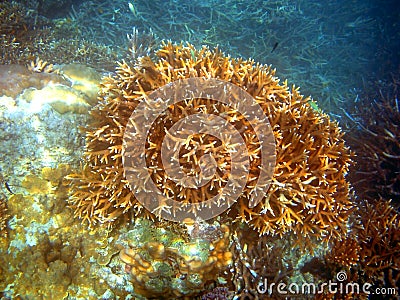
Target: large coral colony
[(309, 194), (308, 197)]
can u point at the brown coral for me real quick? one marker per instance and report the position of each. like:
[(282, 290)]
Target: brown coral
[(344, 253), (14, 19), (374, 135), (308, 194), (39, 66), (371, 252), (379, 238), (26, 34), (258, 260)]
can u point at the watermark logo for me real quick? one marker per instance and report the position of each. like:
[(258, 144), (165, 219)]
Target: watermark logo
[(341, 276), (340, 286), (149, 115)]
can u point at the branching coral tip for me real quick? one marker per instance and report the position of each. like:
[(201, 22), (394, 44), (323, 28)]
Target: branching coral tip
[(132, 8)]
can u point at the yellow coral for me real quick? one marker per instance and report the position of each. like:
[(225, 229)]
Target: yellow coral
[(55, 174), (60, 97), (3, 217), (36, 185), (167, 272)]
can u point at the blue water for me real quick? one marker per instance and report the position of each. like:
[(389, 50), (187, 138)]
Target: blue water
[(326, 47)]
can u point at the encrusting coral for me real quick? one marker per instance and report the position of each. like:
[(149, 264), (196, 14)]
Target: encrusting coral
[(172, 268), (309, 194), (3, 217)]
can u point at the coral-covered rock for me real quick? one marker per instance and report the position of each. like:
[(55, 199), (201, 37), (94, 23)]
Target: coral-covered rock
[(164, 265), (14, 79), (3, 217), (61, 98), (73, 88), (83, 79)]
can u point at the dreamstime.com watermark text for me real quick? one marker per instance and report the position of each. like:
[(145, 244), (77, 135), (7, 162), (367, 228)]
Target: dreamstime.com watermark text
[(331, 287)]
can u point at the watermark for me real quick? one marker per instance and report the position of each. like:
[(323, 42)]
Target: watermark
[(148, 115), (332, 287)]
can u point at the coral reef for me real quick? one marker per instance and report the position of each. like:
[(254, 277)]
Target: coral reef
[(309, 192), (48, 254), (369, 254), (26, 35), (36, 110), (66, 88), (345, 253), (142, 44), (38, 145), (374, 134), (309, 51), (60, 97), (14, 79), (93, 31), (16, 20), (257, 260), (378, 235), (44, 251), (40, 66), (83, 78), (172, 267), (41, 77), (4, 216)]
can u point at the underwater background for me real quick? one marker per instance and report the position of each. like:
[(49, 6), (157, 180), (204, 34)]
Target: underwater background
[(66, 65)]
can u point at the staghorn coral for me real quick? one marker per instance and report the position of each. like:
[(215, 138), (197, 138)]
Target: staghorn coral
[(374, 135), (370, 254), (142, 44), (257, 260), (26, 35), (344, 253), (309, 192), (15, 20), (373, 126), (40, 66), (379, 237)]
